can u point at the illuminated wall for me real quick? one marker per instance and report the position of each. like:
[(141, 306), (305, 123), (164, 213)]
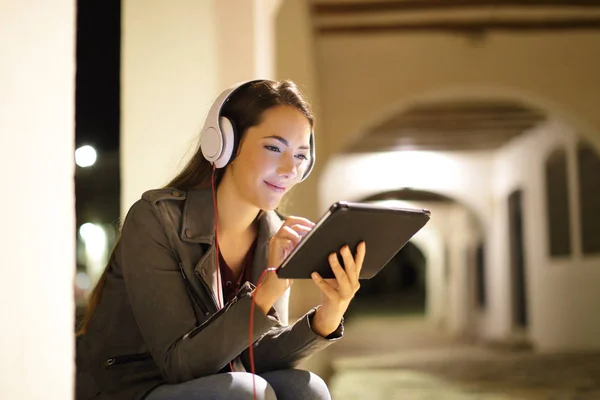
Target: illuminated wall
[(37, 77)]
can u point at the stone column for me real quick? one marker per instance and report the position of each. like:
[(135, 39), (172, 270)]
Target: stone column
[(245, 39), (37, 77), (169, 78)]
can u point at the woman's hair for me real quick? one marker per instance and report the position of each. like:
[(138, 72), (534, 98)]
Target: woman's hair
[(245, 109)]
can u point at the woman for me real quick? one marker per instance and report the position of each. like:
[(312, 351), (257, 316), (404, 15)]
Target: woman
[(170, 317)]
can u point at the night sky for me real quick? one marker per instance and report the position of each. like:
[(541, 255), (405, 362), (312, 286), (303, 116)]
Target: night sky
[(97, 188), (97, 79)]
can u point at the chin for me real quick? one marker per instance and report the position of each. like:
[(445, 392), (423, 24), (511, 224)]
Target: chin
[(269, 203), (266, 199)]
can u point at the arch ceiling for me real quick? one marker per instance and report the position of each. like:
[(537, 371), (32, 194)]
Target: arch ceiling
[(357, 17), (450, 126)]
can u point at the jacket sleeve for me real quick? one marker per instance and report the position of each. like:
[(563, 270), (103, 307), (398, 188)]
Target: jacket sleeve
[(163, 308), (284, 347)]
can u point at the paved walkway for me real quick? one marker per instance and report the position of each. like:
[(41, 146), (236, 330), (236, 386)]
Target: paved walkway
[(391, 358)]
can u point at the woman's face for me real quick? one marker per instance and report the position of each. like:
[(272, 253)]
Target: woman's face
[(272, 157)]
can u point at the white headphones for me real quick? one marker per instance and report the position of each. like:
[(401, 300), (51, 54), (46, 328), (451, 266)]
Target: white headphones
[(218, 136)]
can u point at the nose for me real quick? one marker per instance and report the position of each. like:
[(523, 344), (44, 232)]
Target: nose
[(287, 167)]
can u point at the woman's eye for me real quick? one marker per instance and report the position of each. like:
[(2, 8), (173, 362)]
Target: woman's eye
[(272, 148), (302, 157)]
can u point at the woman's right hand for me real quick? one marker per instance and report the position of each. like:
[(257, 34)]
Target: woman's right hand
[(280, 246)]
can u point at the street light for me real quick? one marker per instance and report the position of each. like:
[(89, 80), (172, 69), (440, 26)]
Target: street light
[(95, 240), (85, 156)]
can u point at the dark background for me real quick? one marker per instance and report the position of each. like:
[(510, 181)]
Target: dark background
[(97, 111)]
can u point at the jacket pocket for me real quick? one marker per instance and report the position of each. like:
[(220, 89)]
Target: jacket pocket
[(126, 358)]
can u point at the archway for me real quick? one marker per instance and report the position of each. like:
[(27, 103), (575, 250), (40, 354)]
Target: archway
[(482, 180), (399, 288), (436, 275)]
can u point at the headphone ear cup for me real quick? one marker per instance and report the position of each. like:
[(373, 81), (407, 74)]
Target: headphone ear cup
[(228, 135), (211, 144), (312, 157), (308, 171)]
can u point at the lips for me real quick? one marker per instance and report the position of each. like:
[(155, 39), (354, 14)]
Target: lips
[(275, 187)]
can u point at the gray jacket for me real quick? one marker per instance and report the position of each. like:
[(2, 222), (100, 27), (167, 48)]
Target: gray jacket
[(158, 322)]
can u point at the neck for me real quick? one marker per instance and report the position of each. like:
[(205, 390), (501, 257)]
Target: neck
[(236, 216)]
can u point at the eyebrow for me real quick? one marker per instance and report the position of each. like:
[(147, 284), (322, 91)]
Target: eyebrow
[(284, 141)]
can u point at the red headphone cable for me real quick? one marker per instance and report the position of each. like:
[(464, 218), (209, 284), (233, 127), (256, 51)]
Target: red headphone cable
[(253, 303), (250, 348), (217, 251)]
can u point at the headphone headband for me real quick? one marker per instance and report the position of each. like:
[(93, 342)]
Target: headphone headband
[(218, 136)]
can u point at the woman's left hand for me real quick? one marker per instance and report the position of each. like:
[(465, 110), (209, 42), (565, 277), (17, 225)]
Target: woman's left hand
[(338, 293)]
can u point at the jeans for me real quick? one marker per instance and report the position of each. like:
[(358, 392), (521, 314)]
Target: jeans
[(287, 384)]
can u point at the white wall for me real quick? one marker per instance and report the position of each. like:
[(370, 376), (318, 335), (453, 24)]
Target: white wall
[(561, 292), (459, 238), (169, 79), (37, 77), (465, 177), (245, 39)]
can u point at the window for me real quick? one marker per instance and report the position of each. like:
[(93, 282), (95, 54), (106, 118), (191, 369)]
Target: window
[(517, 257), (588, 163), (480, 276), (557, 204)]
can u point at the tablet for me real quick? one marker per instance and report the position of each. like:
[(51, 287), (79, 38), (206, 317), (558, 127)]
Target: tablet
[(385, 231)]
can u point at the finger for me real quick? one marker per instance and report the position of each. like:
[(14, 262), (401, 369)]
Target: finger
[(338, 271), (359, 259), (349, 265), (287, 246), (288, 233), (325, 287), (301, 230), (290, 221), (333, 283), (281, 246)]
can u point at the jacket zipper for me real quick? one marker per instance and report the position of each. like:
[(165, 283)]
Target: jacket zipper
[(243, 292), (208, 290), (192, 293), (199, 328), (126, 359)]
